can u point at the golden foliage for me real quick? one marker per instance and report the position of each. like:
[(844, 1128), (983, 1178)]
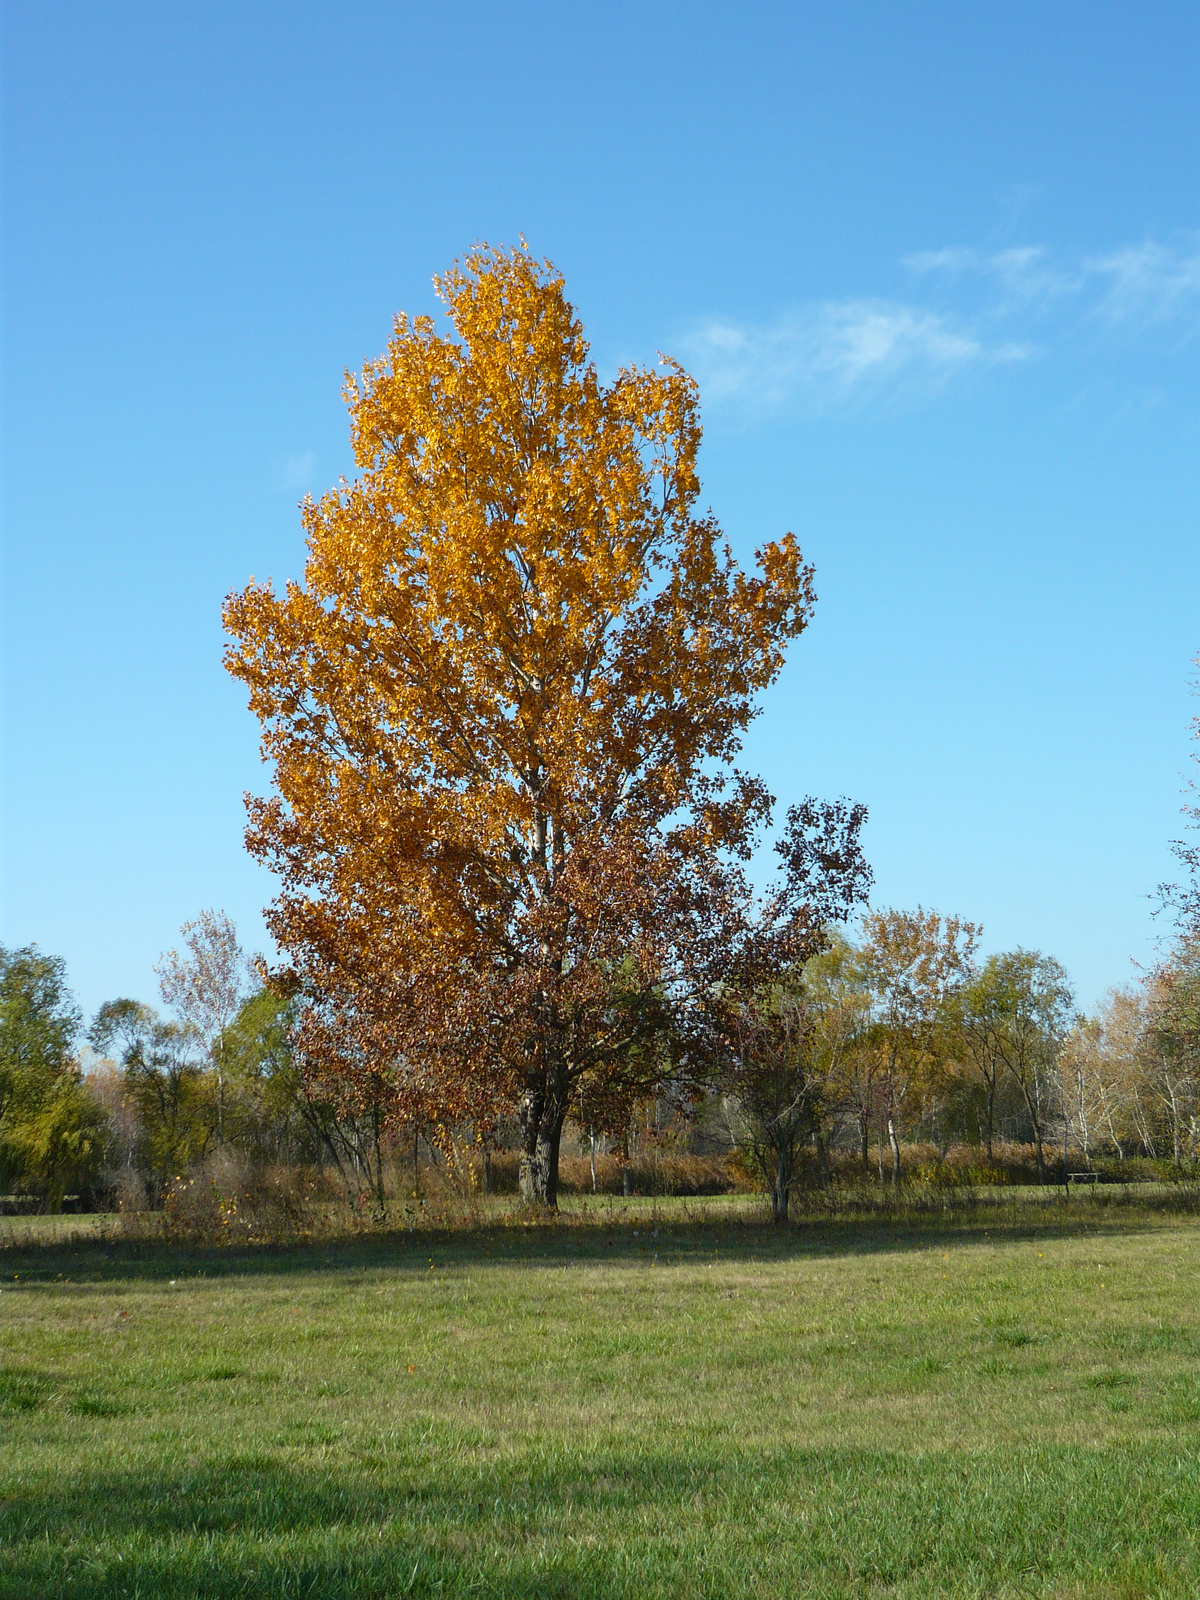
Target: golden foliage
[(503, 706)]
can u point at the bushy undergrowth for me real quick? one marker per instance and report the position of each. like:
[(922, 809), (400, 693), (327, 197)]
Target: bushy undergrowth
[(969, 1165), (233, 1201), (644, 1174), (235, 1205), (918, 1203), (681, 1174)]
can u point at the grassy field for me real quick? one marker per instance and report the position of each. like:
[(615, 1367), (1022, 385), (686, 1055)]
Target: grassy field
[(623, 1407)]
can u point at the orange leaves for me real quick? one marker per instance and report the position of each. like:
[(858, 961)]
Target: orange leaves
[(495, 704)]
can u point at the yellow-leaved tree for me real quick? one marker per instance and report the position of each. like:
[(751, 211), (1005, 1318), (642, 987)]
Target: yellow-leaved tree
[(503, 709)]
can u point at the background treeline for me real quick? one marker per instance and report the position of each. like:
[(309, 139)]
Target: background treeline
[(892, 1058)]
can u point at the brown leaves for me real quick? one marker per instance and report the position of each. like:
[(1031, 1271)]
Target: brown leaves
[(502, 707)]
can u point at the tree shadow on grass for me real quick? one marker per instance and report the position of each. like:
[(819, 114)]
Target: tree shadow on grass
[(630, 1240), (425, 1516)]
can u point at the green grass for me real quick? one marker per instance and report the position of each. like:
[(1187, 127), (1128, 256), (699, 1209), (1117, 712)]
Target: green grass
[(630, 1408)]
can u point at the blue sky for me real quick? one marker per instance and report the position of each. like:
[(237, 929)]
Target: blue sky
[(936, 267)]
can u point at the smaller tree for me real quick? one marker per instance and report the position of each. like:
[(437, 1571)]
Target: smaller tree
[(1171, 1045), (840, 1050), (978, 1015), (775, 1093), (165, 1082), (206, 987), (276, 1118), (1034, 1010), (769, 1033), (913, 965), (52, 1132), (1102, 1066)]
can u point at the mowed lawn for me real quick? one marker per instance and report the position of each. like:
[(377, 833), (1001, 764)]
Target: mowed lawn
[(590, 1410)]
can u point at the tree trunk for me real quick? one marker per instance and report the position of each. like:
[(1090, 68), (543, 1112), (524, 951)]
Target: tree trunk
[(542, 1113), (1173, 1102), (780, 1192), (380, 1196), (991, 1117), (822, 1154), (864, 1130), (1033, 1108), (894, 1141)]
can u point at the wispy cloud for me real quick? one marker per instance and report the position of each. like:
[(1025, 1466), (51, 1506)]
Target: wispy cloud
[(1019, 280), (1148, 283), (836, 352), (972, 309), (1144, 282)]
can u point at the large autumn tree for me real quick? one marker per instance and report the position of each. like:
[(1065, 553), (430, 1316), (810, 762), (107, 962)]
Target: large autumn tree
[(503, 711)]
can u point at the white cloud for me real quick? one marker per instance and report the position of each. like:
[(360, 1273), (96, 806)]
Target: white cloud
[(1148, 283), (833, 353), (1023, 273), (954, 261)]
